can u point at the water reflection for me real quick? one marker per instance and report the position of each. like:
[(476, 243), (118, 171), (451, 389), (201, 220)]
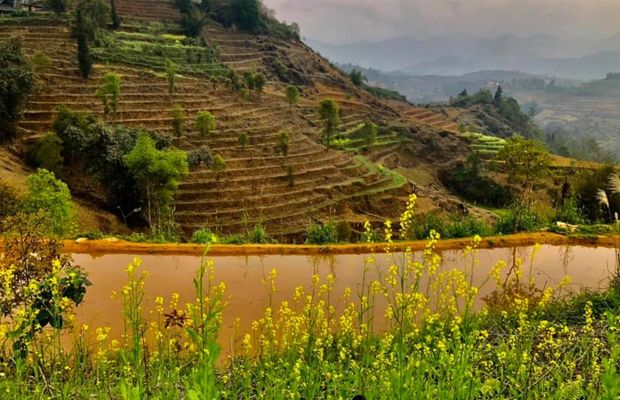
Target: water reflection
[(247, 297)]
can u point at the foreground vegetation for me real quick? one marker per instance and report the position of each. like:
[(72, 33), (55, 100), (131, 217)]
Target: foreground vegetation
[(525, 342)]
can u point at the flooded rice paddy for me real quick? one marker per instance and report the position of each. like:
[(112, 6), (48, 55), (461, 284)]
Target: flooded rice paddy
[(247, 296)]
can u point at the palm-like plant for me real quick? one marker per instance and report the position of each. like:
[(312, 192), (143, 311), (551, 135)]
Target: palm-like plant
[(603, 200)]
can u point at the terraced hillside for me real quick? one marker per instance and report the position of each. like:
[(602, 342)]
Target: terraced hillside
[(352, 181), (259, 185)]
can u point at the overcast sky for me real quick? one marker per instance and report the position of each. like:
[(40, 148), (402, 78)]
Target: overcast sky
[(344, 21)]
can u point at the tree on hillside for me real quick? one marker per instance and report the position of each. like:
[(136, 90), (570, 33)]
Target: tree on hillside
[(16, 83), (57, 6), (357, 77), (246, 14), (48, 194), (178, 118), (205, 123), (158, 173), (110, 93), (282, 143), (497, 99), (45, 153), (330, 114), (243, 140), (218, 165), (171, 76), (259, 83), (95, 15), (369, 134), (85, 60), (248, 80), (525, 162), (234, 81), (116, 20), (292, 95)]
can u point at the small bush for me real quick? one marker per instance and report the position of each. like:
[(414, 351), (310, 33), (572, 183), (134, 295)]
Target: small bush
[(46, 153), (10, 200), (199, 156), (16, 83), (282, 144), (290, 175), (280, 69), (218, 165), (243, 140), (233, 239), (453, 227), (137, 237), (52, 196), (204, 236), (569, 212), (57, 6), (318, 233), (519, 219), (258, 235), (344, 232)]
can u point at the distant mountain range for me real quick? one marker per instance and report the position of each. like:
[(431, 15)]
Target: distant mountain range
[(457, 55)]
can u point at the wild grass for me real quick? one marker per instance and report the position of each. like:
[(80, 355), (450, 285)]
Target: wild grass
[(409, 331)]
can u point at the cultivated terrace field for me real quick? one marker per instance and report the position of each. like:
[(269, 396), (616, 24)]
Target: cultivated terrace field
[(277, 140)]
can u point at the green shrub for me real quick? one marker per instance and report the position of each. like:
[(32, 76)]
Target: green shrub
[(258, 234), (10, 200), (218, 165), (519, 219), (16, 83), (569, 212), (199, 156), (243, 140), (292, 95), (66, 117), (357, 77), (233, 239), (40, 62), (157, 173), (110, 93), (467, 227), (451, 227), (57, 6), (280, 69), (203, 236), (48, 194), (344, 232), (46, 153), (319, 233), (178, 118), (282, 143), (466, 179), (137, 237), (205, 123)]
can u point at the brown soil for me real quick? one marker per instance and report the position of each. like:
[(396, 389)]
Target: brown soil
[(114, 246)]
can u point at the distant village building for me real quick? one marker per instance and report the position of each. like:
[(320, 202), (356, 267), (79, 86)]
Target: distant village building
[(9, 6)]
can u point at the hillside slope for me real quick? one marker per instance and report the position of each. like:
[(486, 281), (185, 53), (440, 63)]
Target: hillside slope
[(259, 186)]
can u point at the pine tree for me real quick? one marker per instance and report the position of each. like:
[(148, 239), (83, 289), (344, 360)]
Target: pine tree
[(116, 21), (85, 60), (498, 95)]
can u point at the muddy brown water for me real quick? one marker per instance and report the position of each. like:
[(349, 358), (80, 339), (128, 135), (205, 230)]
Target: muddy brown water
[(247, 297)]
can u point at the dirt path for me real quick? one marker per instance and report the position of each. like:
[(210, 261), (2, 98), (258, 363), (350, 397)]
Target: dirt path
[(113, 246)]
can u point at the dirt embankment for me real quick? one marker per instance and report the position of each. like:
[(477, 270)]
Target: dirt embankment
[(112, 246)]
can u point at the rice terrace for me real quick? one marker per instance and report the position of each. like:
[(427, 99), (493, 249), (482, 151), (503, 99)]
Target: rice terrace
[(197, 204)]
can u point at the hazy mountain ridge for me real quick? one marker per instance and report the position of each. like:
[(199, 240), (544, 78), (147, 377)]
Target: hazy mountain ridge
[(457, 55)]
